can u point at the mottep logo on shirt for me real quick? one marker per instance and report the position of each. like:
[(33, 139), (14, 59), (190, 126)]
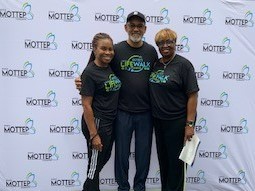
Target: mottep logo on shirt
[(134, 64), (113, 84), (158, 77)]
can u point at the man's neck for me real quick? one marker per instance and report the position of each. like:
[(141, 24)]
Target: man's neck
[(135, 44)]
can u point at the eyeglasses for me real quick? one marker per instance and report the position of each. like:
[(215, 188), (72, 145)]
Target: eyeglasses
[(133, 26), (160, 44)]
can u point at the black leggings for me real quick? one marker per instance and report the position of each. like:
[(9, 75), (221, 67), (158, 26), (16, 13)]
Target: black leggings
[(169, 142), (97, 159)]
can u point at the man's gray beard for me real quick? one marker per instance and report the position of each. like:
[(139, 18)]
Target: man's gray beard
[(135, 39)]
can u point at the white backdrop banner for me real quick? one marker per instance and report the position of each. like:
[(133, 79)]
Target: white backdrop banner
[(44, 45)]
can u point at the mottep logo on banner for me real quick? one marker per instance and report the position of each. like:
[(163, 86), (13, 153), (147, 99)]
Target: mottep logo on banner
[(201, 126), (241, 128), (132, 155), (73, 181), (48, 44), (49, 101), (117, 17), (24, 13), (243, 75), (76, 101), (154, 180), (220, 103), (28, 182), (71, 16), (246, 21), (132, 149), (223, 48), (203, 74), (70, 73), (198, 179), (183, 45), (51, 155), (71, 129), (26, 72), (220, 154), (109, 181), (160, 19), (237, 179), (204, 19), (78, 45), (79, 156), (26, 129)]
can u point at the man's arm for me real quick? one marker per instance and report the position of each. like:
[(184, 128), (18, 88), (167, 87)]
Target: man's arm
[(78, 83)]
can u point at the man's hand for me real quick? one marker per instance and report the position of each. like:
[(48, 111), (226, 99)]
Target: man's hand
[(78, 83)]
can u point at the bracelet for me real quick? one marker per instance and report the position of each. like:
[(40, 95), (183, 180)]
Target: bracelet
[(190, 123), (93, 137)]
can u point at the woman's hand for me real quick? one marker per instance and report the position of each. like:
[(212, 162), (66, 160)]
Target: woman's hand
[(96, 143), (189, 132)]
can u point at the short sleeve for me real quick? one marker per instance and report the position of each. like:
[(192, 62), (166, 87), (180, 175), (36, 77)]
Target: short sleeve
[(88, 84), (190, 80)]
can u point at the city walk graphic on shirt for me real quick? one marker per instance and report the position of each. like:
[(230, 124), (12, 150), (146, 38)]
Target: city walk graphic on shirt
[(158, 77), (113, 84), (135, 64)]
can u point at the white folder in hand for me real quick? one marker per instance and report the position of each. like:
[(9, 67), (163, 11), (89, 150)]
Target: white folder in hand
[(189, 150)]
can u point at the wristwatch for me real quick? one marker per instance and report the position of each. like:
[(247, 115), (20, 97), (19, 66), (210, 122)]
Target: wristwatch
[(190, 123)]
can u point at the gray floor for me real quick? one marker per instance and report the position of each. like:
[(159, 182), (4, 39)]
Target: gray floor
[(132, 190), (154, 189)]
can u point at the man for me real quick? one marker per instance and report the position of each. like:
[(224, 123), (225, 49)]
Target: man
[(132, 63)]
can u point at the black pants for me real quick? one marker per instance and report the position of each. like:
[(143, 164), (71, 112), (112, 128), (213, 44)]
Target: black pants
[(169, 141), (97, 159)]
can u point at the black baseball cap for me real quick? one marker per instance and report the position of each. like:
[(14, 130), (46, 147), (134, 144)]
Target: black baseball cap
[(135, 14)]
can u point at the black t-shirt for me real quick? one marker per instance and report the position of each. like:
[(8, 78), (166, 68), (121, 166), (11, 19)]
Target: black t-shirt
[(102, 84), (133, 67), (169, 88)]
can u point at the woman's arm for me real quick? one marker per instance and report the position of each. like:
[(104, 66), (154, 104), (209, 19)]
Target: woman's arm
[(191, 115), (89, 119)]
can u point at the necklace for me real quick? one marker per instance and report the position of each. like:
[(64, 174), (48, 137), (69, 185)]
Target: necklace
[(167, 63)]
